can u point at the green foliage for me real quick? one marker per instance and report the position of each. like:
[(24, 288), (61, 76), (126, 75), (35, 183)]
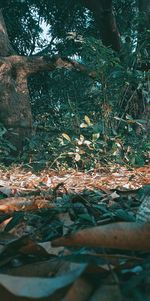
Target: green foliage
[(92, 121), (90, 147), (113, 101), (6, 148)]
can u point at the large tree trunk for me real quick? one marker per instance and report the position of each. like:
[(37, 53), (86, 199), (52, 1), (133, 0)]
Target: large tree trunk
[(15, 110), (5, 46)]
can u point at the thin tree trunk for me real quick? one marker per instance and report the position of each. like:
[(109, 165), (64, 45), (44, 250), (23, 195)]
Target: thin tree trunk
[(144, 8), (144, 23), (105, 20), (144, 48)]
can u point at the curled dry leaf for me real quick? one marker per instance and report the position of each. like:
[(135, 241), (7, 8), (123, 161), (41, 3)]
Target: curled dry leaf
[(36, 269), (123, 235), (12, 204), (36, 287)]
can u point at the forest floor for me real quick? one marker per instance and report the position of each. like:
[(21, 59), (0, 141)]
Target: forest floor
[(107, 258), (18, 178)]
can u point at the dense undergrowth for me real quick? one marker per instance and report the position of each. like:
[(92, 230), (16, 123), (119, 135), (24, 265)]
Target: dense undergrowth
[(92, 120), (86, 150)]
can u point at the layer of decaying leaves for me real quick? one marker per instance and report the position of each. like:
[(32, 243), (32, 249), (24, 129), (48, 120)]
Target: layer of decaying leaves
[(111, 177), (101, 253)]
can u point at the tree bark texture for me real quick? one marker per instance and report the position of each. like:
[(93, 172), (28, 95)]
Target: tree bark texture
[(15, 110), (5, 46)]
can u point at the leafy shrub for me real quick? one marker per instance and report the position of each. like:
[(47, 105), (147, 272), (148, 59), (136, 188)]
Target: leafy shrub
[(89, 148)]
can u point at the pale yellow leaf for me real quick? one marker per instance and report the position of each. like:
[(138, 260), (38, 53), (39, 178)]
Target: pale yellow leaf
[(77, 157), (95, 136), (66, 136), (87, 120), (83, 125)]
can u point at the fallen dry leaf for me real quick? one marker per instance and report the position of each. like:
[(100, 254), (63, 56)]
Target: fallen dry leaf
[(43, 287), (114, 176), (12, 204), (123, 235)]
